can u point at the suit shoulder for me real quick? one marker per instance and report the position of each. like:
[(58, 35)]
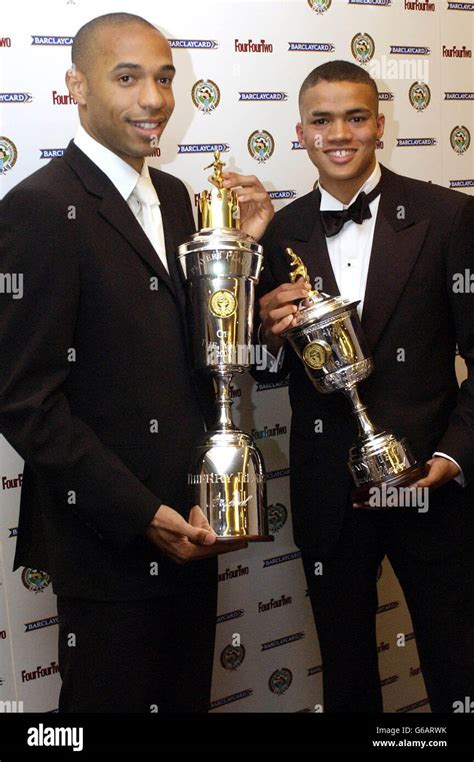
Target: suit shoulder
[(433, 198), (290, 212), (45, 185)]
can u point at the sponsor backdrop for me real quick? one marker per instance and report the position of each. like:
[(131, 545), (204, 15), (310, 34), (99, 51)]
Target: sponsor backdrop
[(239, 68)]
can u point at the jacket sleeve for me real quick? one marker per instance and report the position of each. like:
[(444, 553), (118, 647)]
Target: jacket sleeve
[(37, 333), (268, 281), (458, 439)]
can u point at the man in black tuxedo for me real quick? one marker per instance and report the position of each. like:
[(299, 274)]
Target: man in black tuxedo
[(401, 256), (97, 393)]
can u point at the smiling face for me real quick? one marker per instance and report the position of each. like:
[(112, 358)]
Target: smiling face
[(125, 95), (339, 128)]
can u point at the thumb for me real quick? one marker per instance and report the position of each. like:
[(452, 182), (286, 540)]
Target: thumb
[(198, 519), (201, 534)]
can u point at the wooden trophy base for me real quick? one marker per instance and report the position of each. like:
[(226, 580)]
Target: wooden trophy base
[(362, 495)]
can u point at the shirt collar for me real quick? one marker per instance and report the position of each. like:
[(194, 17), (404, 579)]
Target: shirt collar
[(121, 174), (329, 203)]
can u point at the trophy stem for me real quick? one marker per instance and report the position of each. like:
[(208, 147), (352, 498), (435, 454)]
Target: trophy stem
[(366, 427), (224, 402)]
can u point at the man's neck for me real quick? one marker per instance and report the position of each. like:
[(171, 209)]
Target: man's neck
[(344, 190)]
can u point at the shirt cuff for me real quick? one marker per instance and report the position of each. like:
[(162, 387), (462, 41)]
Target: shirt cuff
[(460, 478)]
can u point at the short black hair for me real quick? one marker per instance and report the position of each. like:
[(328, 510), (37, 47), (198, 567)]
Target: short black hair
[(339, 71), (83, 45)]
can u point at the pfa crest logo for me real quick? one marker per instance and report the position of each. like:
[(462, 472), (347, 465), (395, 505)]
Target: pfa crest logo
[(280, 681), (206, 95), (419, 95), (277, 516), (319, 6), (460, 139), (8, 154), (261, 145), (232, 657), (35, 581), (222, 303), (362, 47)]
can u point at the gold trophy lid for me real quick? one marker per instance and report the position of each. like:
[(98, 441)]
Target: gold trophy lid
[(317, 305), (218, 207)]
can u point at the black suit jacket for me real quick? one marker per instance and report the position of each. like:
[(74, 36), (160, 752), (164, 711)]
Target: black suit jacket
[(423, 235), (96, 389)]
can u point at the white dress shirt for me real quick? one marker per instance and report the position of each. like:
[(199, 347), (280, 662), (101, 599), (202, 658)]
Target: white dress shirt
[(122, 175)]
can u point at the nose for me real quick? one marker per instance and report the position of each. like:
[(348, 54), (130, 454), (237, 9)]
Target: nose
[(339, 131), (151, 95)]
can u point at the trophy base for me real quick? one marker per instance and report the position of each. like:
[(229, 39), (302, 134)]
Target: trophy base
[(362, 495), (247, 538), (227, 481)]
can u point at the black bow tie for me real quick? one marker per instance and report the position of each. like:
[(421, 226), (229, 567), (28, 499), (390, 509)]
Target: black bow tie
[(333, 221)]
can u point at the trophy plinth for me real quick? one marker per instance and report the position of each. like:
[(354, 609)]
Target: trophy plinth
[(327, 335), (222, 266)]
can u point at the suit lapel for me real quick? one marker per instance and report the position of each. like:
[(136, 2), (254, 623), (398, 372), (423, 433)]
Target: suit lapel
[(117, 212), (309, 243), (398, 238)]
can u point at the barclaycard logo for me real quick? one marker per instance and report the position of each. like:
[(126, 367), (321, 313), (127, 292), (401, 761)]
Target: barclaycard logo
[(282, 641), (386, 96), (459, 96), (311, 47), (43, 40), (293, 556), (460, 6), (41, 623), (203, 147), (51, 153), (194, 44), (409, 50), (461, 183), (418, 142), (282, 194), (263, 96), (230, 615), (230, 699), (16, 98), (296, 146)]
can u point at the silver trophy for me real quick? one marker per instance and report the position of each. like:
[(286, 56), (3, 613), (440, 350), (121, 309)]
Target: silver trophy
[(222, 266), (327, 336)]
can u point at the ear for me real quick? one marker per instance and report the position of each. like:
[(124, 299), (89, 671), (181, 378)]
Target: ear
[(300, 134), (77, 84), (380, 125)]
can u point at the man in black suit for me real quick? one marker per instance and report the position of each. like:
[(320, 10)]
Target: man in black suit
[(97, 393), (402, 258)]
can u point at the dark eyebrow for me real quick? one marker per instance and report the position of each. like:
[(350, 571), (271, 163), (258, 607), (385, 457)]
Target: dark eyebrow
[(319, 114), (166, 69)]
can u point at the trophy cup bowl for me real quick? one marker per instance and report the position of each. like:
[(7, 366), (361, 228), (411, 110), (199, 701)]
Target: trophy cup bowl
[(327, 336), (222, 266)]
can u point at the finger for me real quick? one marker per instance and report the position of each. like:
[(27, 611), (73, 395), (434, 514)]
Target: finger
[(233, 179), (197, 535), (257, 197), (282, 325), (281, 312), (438, 475), (289, 295)]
